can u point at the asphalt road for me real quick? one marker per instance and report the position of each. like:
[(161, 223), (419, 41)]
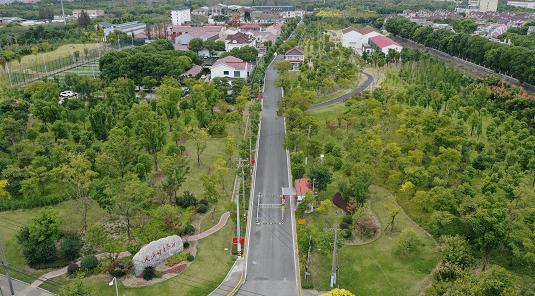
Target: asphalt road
[(21, 288), (361, 88), (271, 258)]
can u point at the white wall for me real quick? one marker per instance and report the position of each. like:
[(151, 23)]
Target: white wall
[(395, 47), (178, 17), (219, 71), (229, 46), (364, 39), (351, 39)]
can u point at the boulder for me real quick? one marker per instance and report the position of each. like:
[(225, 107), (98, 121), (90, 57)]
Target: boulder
[(157, 252)]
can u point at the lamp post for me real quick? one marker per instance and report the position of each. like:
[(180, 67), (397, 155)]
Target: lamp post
[(111, 284)]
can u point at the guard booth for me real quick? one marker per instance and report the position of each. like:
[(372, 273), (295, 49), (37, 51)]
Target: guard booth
[(288, 193)]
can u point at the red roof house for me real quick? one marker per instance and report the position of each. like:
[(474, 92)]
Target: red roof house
[(302, 186)]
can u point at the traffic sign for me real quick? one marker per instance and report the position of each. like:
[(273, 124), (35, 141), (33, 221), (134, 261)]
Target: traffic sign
[(301, 222), (234, 240), (242, 241)]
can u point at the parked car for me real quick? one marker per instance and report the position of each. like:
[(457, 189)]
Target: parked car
[(67, 93)]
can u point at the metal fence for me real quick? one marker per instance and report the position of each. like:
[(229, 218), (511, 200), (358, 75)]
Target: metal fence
[(25, 74)]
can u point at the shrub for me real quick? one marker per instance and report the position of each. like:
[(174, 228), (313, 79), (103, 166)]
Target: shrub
[(204, 202), (119, 268), (70, 246), (189, 229), (446, 271), (409, 241), (190, 258), (148, 273), (344, 225), (89, 262), (202, 208), (365, 227), (348, 219), (346, 233), (340, 202), (188, 200), (72, 268), (186, 245)]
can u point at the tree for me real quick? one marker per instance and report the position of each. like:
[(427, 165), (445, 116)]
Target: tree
[(324, 209), (175, 172), (321, 176), (199, 137), (196, 44), (4, 195), (455, 250), (393, 211), (101, 121), (149, 82), (221, 170), (167, 104), (11, 129), (152, 135), (130, 195), (76, 176), (230, 145), (210, 193), (491, 225), (283, 67), (84, 21), (121, 152), (38, 238)]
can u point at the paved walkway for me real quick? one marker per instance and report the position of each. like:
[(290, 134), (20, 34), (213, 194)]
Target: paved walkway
[(56, 273), (222, 222), (342, 98)]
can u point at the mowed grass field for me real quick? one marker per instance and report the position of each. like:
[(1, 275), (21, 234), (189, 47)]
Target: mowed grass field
[(60, 51), (375, 268)]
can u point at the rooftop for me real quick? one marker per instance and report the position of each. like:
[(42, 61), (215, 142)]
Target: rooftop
[(383, 41), (233, 62), (193, 71), (302, 186), (295, 51)]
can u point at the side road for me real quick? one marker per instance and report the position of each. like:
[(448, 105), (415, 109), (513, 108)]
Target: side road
[(342, 98)]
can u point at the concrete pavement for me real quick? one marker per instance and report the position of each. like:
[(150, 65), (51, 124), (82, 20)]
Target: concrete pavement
[(22, 289)]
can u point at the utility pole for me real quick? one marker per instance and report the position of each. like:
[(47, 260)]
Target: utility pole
[(241, 162), (335, 251), (7, 269), (308, 129)]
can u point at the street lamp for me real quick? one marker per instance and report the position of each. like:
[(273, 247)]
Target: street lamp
[(111, 284)]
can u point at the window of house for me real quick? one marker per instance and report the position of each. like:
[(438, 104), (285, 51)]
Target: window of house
[(225, 72), (236, 73)]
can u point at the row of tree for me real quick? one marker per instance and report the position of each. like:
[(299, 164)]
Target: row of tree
[(515, 61)]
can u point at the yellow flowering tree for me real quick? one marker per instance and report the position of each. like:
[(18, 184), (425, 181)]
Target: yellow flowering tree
[(3, 193)]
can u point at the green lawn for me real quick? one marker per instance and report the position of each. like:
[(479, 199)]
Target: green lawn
[(375, 268), (321, 99)]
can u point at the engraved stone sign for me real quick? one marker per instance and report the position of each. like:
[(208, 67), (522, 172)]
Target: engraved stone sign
[(156, 252)]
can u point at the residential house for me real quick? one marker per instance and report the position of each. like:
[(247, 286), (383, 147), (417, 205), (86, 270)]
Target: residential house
[(230, 67), (529, 5), (296, 56), (180, 16), (275, 29), (302, 186), (239, 40), (250, 28), (266, 16), (194, 72), (201, 11), (384, 44), (262, 37), (181, 47)]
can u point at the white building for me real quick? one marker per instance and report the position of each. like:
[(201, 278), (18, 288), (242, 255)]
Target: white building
[(230, 67), (530, 5), (353, 38), (180, 16), (384, 44)]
